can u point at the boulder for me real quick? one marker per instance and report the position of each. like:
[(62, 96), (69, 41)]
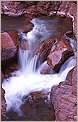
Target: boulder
[(45, 69), (14, 37), (64, 98), (8, 47), (70, 8), (72, 79), (65, 103), (44, 48), (60, 54), (27, 28), (37, 108)]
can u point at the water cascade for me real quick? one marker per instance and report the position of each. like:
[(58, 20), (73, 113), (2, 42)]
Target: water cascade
[(29, 79)]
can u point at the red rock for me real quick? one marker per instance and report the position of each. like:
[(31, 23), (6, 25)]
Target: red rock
[(73, 12), (44, 48), (65, 102), (14, 36), (46, 69), (12, 8), (36, 106), (39, 8), (8, 47), (72, 79), (29, 7), (70, 7), (60, 54), (35, 96), (64, 98), (74, 76), (3, 105), (27, 28)]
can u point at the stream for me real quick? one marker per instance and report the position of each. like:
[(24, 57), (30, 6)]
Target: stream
[(28, 79)]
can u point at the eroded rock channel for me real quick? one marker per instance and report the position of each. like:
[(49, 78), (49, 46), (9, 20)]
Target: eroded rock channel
[(38, 62)]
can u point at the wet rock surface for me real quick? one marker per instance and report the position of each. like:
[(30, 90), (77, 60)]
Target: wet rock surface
[(62, 51), (35, 108), (27, 28), (8, 47), (39, 107), (44, 48), (64, 99)]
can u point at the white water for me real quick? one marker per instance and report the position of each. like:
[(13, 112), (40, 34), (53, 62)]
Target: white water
[(29, 79), (25, 83)]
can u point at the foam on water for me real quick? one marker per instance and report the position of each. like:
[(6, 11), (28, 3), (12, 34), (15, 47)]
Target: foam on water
[(29, 79), (25, 83)]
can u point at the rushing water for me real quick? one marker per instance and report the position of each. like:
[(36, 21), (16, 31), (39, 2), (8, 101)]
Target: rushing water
[(28, 78)]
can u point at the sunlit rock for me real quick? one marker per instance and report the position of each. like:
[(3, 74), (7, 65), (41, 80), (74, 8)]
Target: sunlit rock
[(64, 98), (60, 54), (44, 49), (46, 69), (8, 47), (72, 79), (14, 37)]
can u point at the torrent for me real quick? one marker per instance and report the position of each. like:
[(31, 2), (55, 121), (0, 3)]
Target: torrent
[(39, 60), (29, 79)]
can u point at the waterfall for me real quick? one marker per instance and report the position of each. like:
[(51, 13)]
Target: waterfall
[(24, 84), (30, 78), (23, 58)]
